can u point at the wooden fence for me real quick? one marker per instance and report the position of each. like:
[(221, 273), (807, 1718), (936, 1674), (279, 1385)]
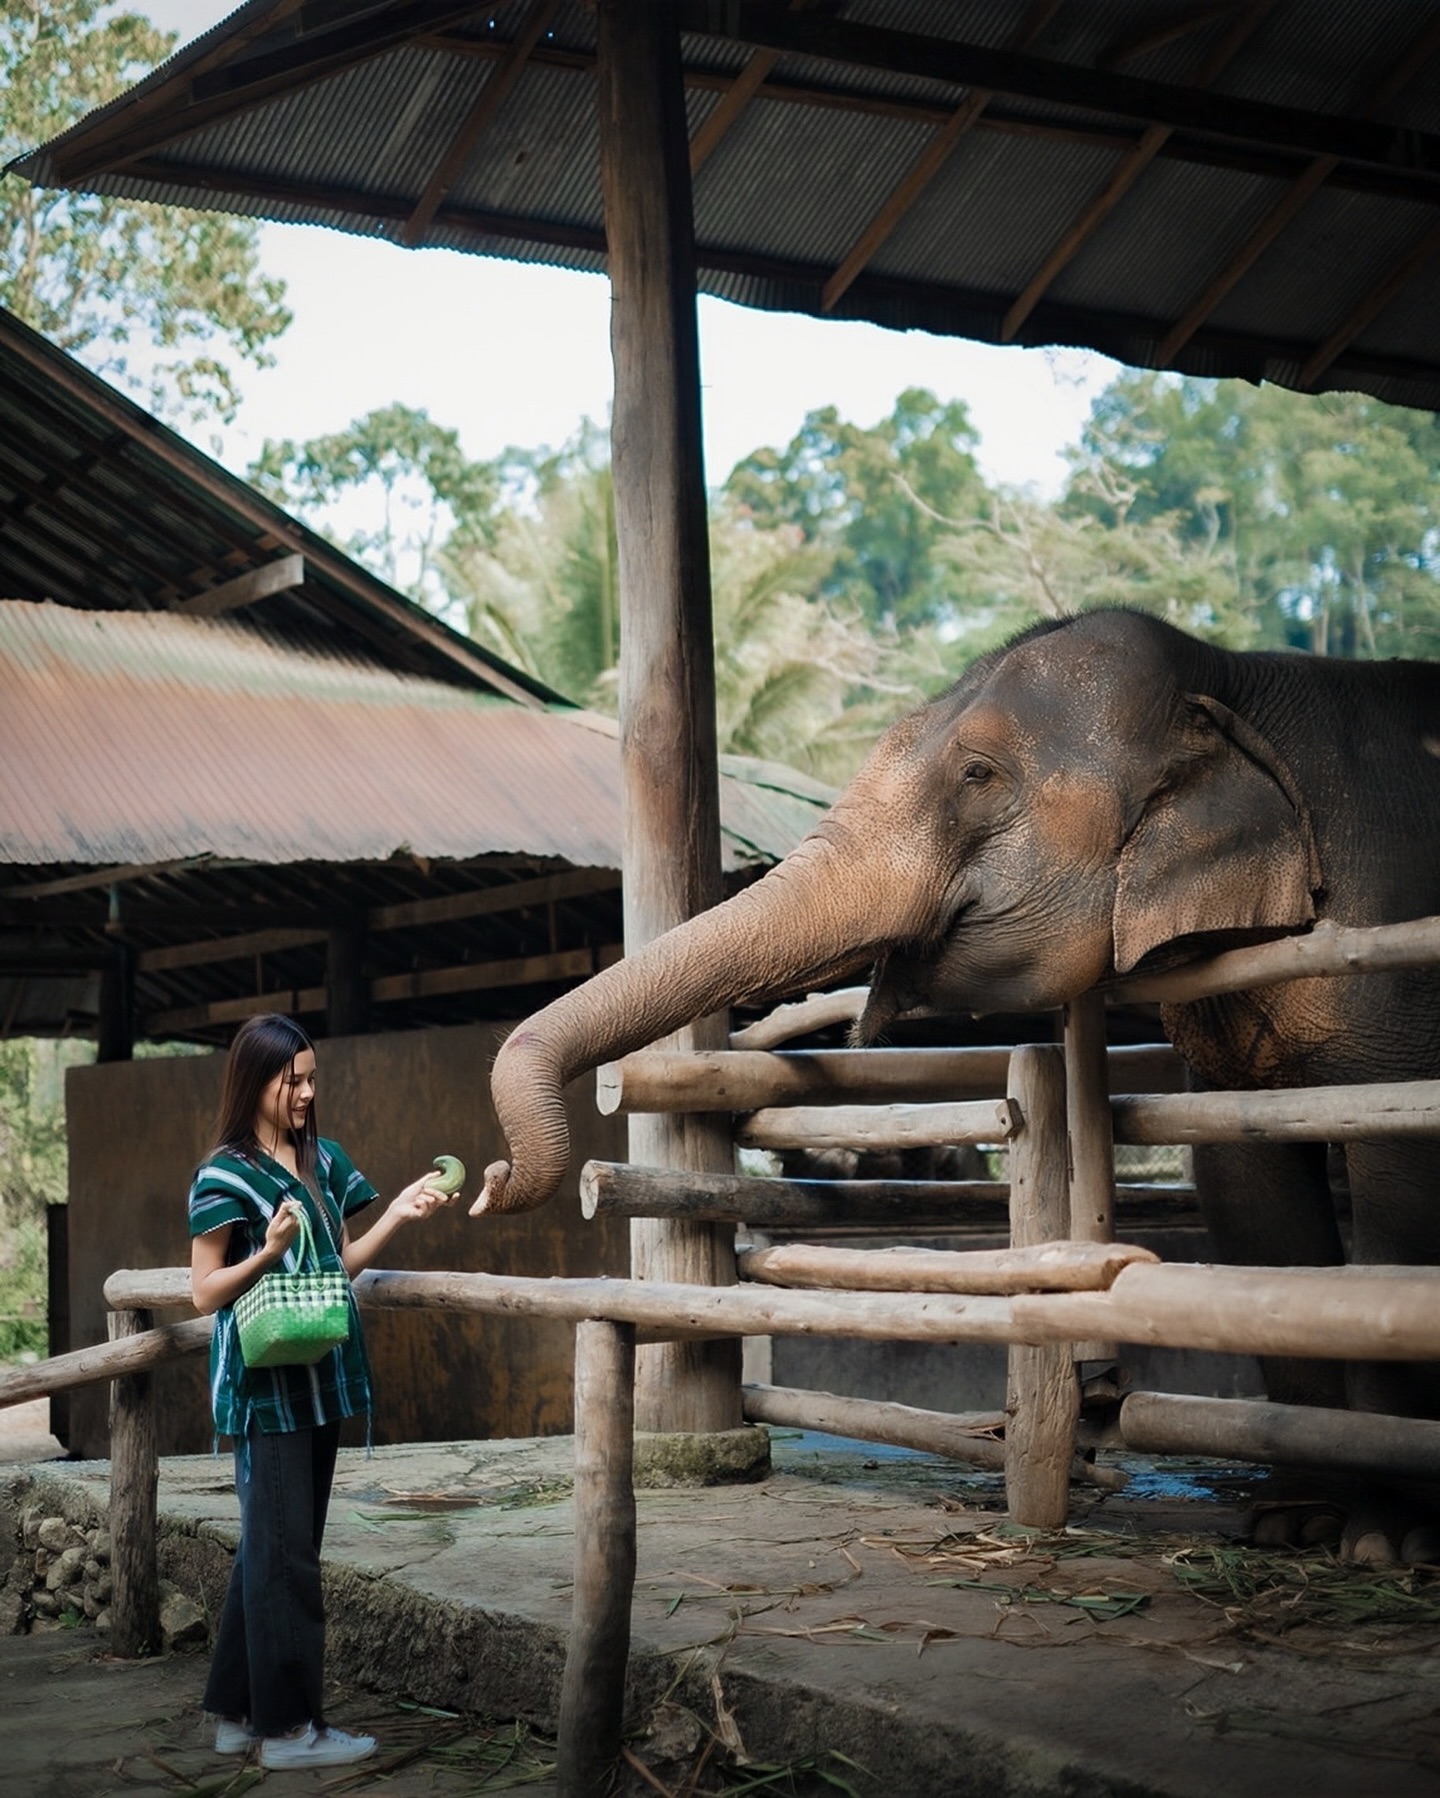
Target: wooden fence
[(1063, 1291)]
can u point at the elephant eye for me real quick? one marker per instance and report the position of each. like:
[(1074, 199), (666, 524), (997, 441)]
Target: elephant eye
[(977, 773)]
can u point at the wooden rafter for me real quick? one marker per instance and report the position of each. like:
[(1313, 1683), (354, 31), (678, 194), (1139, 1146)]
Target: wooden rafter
[(445, 908), (734, 101), (280, 576), (736, 97), (1371, 307), (1316, 174), (491, 98), (1124, 178), (380, 614), (902, 197), (926, 166), (423, 983)]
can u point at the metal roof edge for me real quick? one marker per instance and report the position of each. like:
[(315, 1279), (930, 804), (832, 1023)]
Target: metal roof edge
[(152, 437)]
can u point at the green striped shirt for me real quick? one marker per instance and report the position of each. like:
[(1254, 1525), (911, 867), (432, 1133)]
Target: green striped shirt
[(246, 1191)]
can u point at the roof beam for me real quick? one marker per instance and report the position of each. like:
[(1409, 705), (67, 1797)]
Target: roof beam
[(1124, 178), (423, 983), (226, 85), (925, 167), (279, 576), (225, 948), (1182, 146), (447, 908), (1315, 175), (491, 98), (1222, 116), (1053, 321)]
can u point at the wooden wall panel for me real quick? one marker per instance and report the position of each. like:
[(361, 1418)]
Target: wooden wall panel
[(136, 1130)]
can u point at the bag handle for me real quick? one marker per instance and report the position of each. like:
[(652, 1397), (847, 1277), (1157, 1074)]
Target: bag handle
[(305, 1240)]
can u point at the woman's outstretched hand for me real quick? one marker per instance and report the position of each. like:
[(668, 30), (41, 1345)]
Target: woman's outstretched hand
[(419, 1199)]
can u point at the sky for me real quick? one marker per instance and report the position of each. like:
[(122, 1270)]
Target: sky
[(507, 353)]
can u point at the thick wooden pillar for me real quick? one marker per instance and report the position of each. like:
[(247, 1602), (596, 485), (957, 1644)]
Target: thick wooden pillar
[(667, 669), (115, 1027)]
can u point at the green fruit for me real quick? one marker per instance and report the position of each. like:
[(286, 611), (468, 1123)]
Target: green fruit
[(452, 1174)]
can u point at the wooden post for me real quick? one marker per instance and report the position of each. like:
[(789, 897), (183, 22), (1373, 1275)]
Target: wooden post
[(115, 1026), (1042, 1400), (669, 776), (1092, 1140), (347, 991), (134, 1485), (592, 1691)]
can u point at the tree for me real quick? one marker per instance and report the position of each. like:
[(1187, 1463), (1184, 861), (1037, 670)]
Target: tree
[(32, 1176), (392, 489), (161, 298), (1324, 505), (875, 499)]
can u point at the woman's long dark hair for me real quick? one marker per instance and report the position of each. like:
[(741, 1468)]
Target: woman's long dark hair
[(263, 1047)]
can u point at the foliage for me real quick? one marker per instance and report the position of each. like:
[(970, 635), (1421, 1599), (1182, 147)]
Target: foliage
[(878, 499), (858, 569), (403, 476), (1323, 509), (94, 272), (33, 1174)]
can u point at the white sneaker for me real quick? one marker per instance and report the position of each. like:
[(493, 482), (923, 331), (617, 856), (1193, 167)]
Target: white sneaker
[(313, 1747), (232, 1737)]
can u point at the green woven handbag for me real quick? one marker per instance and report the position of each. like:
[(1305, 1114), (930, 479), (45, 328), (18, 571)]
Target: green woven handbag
[(289, 1320)]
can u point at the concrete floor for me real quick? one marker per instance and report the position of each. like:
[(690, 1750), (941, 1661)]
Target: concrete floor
[(859, 1614)]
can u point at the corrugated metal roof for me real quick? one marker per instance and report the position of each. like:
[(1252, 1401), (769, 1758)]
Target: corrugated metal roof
[(145, 738), (341, 115), (102, 506)]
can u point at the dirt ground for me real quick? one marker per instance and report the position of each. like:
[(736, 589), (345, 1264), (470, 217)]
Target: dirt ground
[(76, 1723), (859, 1621)]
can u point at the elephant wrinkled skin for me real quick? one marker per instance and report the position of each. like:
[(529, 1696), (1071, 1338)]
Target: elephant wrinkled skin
[(1105, 793)]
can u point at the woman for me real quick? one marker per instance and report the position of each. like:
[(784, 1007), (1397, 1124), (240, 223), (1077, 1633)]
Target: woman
[(268, 1166)]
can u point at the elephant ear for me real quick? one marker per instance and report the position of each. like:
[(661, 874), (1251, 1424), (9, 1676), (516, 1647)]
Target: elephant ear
[(1223, 843)]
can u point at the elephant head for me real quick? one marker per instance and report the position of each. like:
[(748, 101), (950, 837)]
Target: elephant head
[(1081, 798)]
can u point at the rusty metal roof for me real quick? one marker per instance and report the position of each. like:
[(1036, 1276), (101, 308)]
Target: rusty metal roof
[(214, 800), (102, 506), (145, 738), (1245, 188)]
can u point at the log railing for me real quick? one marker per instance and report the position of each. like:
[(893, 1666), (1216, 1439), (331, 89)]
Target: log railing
[(1060, 1285)]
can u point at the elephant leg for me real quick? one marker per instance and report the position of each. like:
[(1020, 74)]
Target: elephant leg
[(1395, 1195), (1268, 1204)]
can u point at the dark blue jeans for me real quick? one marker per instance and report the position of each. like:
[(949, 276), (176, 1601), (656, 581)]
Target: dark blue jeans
[(269, 1662)]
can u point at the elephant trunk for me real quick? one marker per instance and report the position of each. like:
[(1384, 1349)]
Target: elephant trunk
[(820, 914)]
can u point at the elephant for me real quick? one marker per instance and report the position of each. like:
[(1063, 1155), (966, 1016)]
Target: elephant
[(1103, 794)]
